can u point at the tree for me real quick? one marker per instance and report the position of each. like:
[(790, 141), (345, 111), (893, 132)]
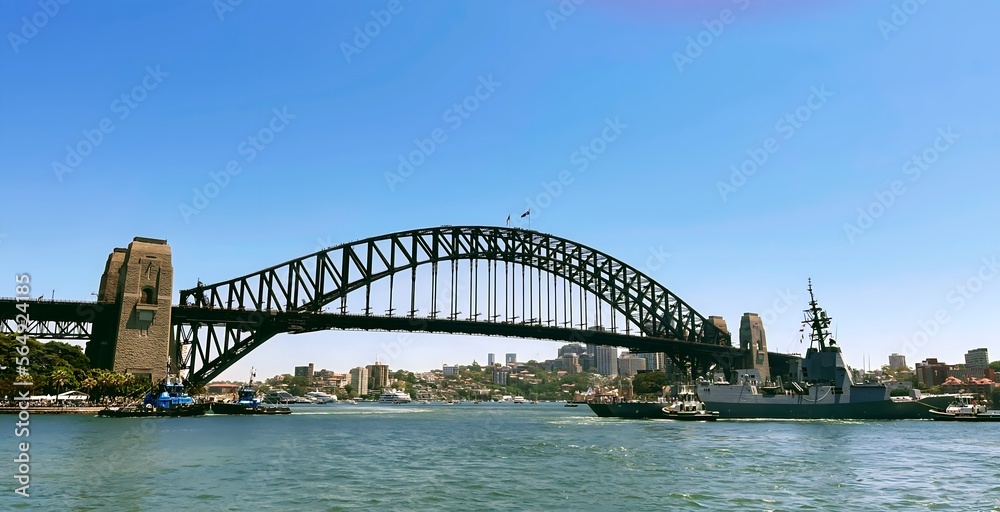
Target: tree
[(350, 390), (649, 383), (62, 377), (995, 365), (996, 398)]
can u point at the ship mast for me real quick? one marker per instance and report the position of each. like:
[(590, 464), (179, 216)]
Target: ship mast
[(818, 321)]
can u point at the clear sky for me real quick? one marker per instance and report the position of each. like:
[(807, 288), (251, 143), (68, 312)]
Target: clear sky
[(744, 138)]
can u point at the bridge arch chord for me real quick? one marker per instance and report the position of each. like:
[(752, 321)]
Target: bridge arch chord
[(313, 281)]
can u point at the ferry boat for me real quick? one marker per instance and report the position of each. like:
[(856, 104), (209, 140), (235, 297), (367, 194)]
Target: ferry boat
[(519, 400), (966, 408), (393, 396), (246, 403), (166, 399), (278, 397), (319, 397), (687, 407)]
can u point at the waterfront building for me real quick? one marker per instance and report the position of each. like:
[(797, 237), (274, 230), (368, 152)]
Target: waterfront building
[(754, 342), (630, 364), (378, 376), (305, 371), (932, 372), (491, 359), (359, 380), (511, 360), (606, 360), (449, 370), (897, 362), (981, 387)]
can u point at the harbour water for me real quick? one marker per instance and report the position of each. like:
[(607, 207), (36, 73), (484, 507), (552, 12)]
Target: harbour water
[(501, 457)]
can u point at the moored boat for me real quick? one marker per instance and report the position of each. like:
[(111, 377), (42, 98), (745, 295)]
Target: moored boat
[(166, 400), (247, 404), (393, 396)]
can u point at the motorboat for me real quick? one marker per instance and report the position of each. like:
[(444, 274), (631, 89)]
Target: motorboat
[(394, 396), (319, 397)]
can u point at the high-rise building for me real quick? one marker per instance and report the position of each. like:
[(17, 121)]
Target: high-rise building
[(359, 380), (500, 376), (753, 341), (378, 376), (511, 360), (897, 362), (654, 360), (630, 364), (305, 371), (572, 348), (449, 370), (978, 359), (606, 360), (491, 359)]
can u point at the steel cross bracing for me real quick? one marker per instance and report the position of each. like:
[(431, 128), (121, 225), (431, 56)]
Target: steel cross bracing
[(498, 276)]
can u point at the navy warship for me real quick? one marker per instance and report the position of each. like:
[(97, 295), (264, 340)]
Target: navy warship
[(824, 388)]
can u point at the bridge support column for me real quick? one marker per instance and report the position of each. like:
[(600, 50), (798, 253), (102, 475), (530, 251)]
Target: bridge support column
[(138, 284)]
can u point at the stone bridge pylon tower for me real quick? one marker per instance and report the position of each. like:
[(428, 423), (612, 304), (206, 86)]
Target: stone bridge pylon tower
[(137, 285)]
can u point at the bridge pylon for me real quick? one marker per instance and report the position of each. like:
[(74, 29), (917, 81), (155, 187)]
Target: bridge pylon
[(138, 285)]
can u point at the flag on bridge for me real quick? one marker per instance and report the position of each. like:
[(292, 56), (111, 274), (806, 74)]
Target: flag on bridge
[(525, 214), (508, 220)]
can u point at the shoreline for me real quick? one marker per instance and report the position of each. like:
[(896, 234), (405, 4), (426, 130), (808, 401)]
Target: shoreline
[(51, 410)]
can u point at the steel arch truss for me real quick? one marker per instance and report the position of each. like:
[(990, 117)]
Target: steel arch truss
[(309, 283)]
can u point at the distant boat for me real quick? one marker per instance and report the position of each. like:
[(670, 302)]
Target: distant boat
[(319, 397), (393, 396), (519, 400)]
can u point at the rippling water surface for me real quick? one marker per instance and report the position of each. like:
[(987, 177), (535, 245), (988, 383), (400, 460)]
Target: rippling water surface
[(501, 457)]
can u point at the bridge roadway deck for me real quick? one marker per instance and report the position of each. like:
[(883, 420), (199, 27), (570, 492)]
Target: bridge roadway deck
[(41, 310)]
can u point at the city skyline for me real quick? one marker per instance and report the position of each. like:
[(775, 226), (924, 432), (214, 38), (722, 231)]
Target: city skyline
[(683, 141)]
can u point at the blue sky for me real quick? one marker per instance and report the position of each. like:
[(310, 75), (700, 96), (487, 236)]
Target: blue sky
[(888, 108)]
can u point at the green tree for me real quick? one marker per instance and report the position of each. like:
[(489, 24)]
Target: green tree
[(649, 383), (995, 365), (996, 398), (350, 390), (61, 378)]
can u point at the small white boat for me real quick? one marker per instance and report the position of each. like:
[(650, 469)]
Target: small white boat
[(519, 400), (394, 396), (320, 397)]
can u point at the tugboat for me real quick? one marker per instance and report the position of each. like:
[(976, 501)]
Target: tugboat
[(687, 407), (166, 399), (966, 408), (246, 403)]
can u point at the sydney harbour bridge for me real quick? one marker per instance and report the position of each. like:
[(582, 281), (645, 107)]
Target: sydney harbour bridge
[(452, 279)]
